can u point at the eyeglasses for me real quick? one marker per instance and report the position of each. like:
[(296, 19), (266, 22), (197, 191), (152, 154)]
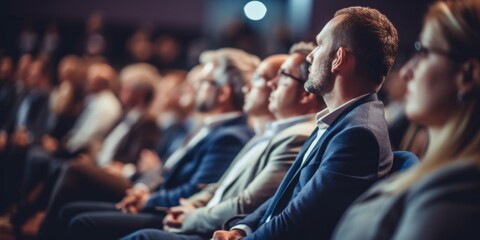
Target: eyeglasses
[(422, 51), (283, 73)]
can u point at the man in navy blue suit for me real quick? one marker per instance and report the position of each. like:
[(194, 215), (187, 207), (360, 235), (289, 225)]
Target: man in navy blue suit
[(350, 149), (202, 160)]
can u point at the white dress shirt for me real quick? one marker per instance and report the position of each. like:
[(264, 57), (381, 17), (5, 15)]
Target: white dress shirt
[(101, 111), (110, 145)]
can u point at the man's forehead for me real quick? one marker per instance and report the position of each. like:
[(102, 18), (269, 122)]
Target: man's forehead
[(292, 62), (266, 68)]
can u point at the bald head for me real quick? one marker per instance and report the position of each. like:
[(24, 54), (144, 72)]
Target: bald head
[(257, 92), (269, 67)]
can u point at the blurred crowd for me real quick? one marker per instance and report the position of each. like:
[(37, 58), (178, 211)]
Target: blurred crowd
[(95, 147)]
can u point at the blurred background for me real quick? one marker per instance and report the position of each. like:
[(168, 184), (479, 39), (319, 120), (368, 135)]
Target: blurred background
[(172, 33)]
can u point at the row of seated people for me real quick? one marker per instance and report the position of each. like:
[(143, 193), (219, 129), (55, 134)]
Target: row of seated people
[(290, 183), (44, 131)]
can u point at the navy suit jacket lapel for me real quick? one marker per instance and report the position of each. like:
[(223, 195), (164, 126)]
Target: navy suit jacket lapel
[(188, 155), (290, 175)]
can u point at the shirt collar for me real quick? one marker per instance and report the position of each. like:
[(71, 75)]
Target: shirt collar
[(325, 118)]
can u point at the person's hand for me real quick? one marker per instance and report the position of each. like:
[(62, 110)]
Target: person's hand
[(115, 168), (148, 160), (3, 140), (134, 200), (176, 215), (174, 218), (228, 235), (49, 143)]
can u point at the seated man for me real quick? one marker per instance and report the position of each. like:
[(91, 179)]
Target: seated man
[(24, 126), (349, 150), (109, 174), (201, 161), (256, 182)]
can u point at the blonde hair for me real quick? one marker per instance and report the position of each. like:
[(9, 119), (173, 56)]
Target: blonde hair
[(458, 22)]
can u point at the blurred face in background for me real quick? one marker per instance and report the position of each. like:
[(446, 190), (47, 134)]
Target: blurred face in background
[(189, 88), (98, 77), (71, 69), (288, 87), (127, 95), (430, 75), (22, 68), (6, 69), (35, 75), (257, 92), (168, 91), (207, 90)]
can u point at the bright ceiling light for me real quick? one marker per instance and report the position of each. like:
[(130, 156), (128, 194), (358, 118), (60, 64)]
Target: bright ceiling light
[(255, 10)]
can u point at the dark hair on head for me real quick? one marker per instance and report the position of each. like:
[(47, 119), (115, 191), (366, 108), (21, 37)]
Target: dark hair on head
[(303, 48), (371, 38)]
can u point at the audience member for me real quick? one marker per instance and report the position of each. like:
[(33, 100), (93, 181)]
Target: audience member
[(108, 175), (248, 184), (25, 125), (439, 198), (202, 160), (350, 149), (102, 109), (7, 88), (65, 105), (66, 101)]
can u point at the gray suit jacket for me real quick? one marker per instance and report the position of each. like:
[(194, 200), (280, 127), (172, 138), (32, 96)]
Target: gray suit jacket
[(254, 186), (442, 205)]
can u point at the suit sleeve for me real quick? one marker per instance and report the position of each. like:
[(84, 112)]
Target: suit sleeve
[(281, 156), (348, 167), (214, 161)]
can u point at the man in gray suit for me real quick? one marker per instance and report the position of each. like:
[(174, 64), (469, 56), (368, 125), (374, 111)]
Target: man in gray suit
[(259, 168)]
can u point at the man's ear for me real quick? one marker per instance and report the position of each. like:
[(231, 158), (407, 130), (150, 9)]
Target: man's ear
[(469, 77), (340, 59)]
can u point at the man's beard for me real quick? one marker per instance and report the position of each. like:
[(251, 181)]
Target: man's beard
[(321, 82)]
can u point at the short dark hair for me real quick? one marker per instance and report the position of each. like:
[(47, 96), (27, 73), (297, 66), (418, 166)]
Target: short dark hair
[(371, 38)]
